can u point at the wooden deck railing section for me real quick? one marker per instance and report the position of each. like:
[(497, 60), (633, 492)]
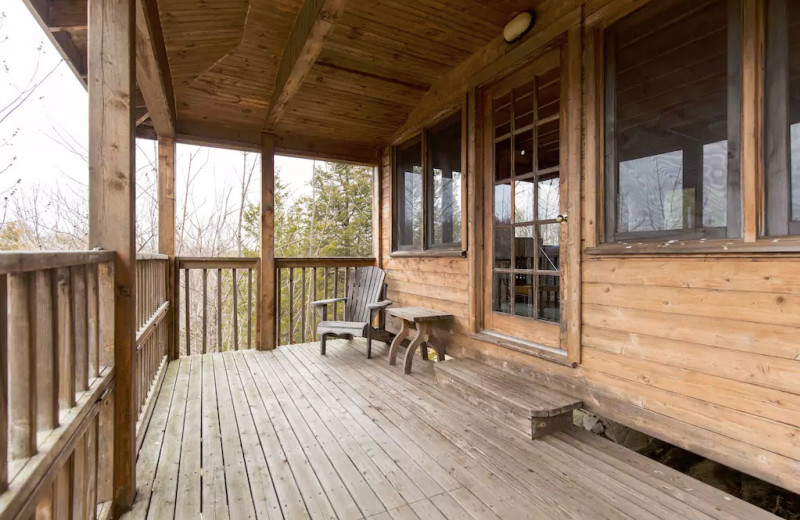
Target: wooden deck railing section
[(298, 282), (217, 310), (152, 345), (56, 383)]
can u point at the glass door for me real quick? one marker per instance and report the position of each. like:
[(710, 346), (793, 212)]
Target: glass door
[(524, 268)]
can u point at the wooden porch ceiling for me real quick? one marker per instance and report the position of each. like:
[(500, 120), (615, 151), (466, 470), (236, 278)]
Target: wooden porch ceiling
[(330, 78)]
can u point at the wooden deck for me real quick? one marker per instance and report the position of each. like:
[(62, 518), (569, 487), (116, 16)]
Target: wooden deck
[(290, 434)]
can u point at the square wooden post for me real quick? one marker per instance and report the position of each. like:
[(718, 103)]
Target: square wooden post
[(166, 233), (112, 209), (265, 326)]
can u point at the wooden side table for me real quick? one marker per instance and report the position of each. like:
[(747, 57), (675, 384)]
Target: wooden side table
[(423, 319)]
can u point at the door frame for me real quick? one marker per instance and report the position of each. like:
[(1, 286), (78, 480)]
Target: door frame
[(569, 44)]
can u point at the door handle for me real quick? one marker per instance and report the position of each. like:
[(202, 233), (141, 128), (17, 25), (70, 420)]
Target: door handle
[(561, 219)]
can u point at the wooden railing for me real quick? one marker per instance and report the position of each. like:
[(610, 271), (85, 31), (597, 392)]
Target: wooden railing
[(298, 282), (217, 304), (152, 337), (56, 383)]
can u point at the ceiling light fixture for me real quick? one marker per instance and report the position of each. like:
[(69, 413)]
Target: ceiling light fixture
[(518, 26)]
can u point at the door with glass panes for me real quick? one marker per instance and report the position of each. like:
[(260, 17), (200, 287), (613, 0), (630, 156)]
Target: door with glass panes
[(525, 204)]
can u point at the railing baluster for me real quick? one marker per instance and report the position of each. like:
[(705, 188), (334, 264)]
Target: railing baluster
[(205, 310), (80, 318), (250, 308), (22, 416), (336, 292), (66, 340), (44, 324), (278, 305), (303, 305), (235, 310), (187, 287), (291, 306), (3, 382), (219, 310), (314, 314), (94, 324)]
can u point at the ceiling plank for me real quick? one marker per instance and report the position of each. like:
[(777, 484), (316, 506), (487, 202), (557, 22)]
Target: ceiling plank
[(152, 70), (313, 25)]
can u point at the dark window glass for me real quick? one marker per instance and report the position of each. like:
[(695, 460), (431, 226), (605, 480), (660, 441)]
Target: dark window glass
[(672, 121), (408, 195), (782, 117), (444, 181)]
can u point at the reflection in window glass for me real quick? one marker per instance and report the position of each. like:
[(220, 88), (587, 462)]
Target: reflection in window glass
[(651, 193), (444, 164), (549, 198), (715, 184), (409, 195), (502, 204), (523, 201), (668, 98)]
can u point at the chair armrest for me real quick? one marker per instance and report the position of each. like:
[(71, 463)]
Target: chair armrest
[(379, 306), (320, 303)]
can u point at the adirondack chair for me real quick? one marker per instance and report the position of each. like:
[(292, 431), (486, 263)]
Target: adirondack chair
[(362, 304)]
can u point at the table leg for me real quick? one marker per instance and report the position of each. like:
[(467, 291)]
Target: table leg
[(422, 331), (405, 329), (433, 342)]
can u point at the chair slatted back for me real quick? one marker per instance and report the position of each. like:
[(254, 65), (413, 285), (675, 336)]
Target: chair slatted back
[(365, 287)]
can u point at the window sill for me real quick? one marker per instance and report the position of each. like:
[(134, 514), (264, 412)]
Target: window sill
[(430, 253), (723, 247), (526, 347)]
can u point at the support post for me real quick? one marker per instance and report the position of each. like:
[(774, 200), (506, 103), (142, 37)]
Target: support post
[(112, 210), (166, 233), (266, 277)]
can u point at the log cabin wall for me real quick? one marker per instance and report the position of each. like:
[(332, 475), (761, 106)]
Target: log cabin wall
[(698, 348)]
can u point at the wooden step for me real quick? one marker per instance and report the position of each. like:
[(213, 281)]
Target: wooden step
[(529, 407)]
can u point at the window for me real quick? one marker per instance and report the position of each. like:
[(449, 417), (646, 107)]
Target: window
[(526, 265), (427, 209), (672, 122), (782, 118), (408, 195)]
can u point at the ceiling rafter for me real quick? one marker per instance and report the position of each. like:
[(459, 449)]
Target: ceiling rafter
[(152, 70), (313, 25)]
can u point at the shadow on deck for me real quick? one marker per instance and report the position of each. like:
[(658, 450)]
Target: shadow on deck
[(290, 434)]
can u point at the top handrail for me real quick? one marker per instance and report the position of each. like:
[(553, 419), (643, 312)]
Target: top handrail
[(330, 261), (151, 256), (12, 262)]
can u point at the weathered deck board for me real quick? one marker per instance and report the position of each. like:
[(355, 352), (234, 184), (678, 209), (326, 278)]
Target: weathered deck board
[(288, 433)]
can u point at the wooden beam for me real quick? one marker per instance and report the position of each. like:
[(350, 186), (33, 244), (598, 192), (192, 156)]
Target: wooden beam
[(166, 232), (571, 67), (202, 134), (265, 326), (752, 117), (112, 208), (152, 70), (313, 25)]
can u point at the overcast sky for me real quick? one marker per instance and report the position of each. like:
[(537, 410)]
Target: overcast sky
[(36, 134)]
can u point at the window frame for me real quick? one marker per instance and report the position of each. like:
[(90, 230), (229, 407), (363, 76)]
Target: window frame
[(426, 247), (776, 128), (606, 121)]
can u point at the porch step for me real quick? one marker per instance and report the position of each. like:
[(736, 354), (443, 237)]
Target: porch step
[(526, 406)]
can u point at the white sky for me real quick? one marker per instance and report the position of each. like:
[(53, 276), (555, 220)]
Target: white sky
[(58, 112)]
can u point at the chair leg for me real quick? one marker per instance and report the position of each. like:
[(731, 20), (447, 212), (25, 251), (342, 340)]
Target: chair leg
[(369, 341), (322, 344)]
